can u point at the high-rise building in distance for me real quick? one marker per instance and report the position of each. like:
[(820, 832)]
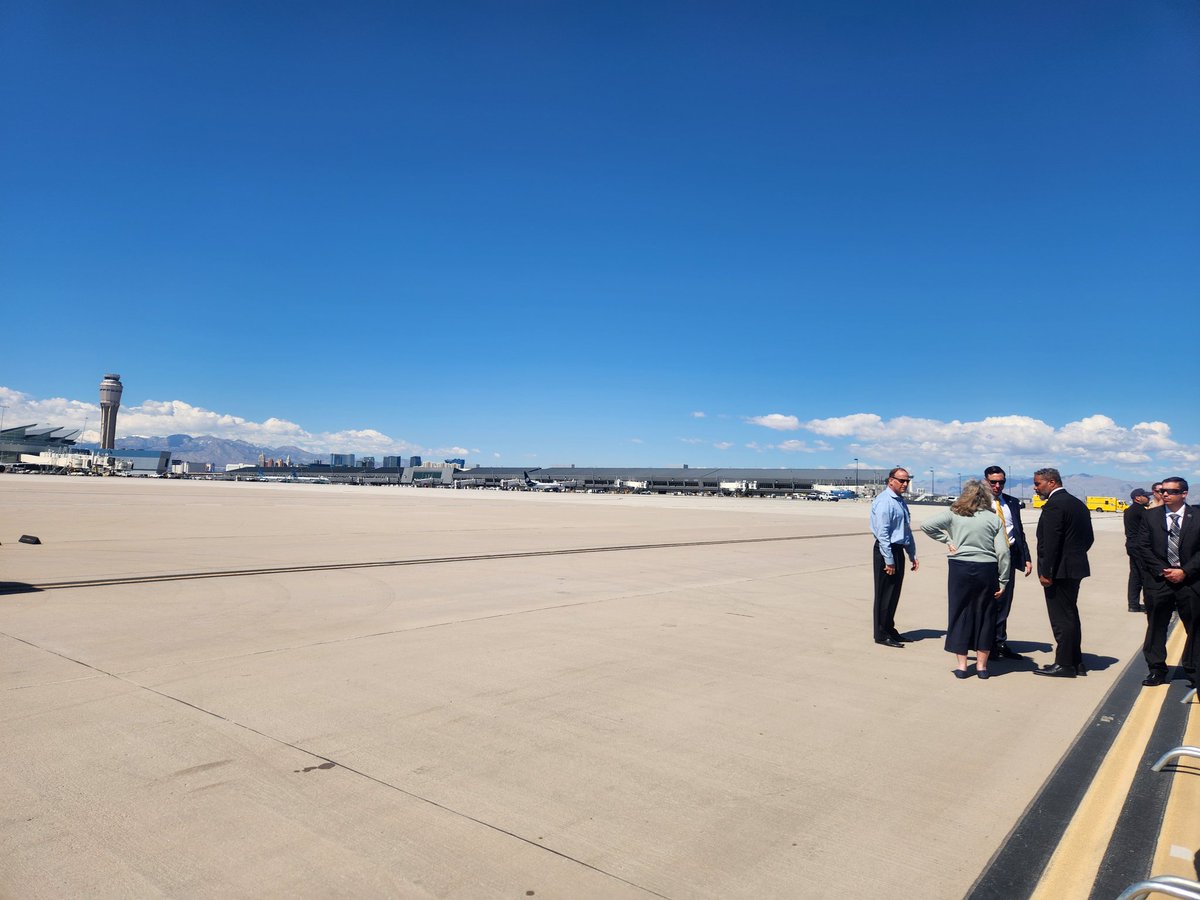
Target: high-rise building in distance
[(110, 402)]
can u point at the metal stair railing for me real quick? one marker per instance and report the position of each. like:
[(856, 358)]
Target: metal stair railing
[(1172, 886), (1177, 753)]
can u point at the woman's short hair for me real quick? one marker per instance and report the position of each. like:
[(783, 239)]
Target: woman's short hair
[(975, 497)]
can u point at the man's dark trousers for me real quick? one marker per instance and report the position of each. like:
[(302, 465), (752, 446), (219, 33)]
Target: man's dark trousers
[(887, 590), (1003, 608), (1062, 608), (1166, 599), (1135, 585)]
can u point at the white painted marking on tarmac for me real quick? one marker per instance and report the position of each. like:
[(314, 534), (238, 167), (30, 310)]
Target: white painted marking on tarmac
[(1180, 852)]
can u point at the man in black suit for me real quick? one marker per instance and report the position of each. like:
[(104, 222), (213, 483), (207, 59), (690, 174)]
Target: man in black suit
[(1169, 551), (1064, 536), (1133, 526), (1008, 508)]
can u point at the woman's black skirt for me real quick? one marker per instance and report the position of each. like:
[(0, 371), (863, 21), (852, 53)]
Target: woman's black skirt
[(972, 622)]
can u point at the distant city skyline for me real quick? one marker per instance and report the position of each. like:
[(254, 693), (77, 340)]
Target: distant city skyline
[(936, 234)]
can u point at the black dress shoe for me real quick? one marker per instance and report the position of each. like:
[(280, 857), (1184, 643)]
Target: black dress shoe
[(1081, 671), (888, 642), (1137, 609), (1056, 671), (1155, 678), (902, 638), (1003, 651)]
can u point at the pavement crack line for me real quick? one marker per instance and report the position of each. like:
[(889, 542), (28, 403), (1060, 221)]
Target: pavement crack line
[(360, 773), (426, 561)]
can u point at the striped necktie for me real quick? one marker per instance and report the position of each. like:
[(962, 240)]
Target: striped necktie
[(1173, 541)]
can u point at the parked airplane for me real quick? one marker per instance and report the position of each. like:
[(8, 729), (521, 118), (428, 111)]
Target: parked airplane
[(532, 485)]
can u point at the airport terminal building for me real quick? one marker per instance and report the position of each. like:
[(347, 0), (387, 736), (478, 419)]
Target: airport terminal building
[(34, 439), (595, 479)]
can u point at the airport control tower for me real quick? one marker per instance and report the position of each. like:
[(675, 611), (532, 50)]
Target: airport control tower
[(110, 402)]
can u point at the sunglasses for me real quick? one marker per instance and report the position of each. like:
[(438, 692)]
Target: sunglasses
[(1172, 491), (902, 480), (1001, 481)]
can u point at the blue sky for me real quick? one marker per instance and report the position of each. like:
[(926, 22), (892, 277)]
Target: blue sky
[(540, 233)]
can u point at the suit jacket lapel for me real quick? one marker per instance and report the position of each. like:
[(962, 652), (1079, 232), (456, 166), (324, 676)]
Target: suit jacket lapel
[(1158, 529), (1187, 527)]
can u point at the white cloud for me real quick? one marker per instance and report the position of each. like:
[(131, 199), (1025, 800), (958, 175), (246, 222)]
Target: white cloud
[(776, 421), (794, 446), (1017, 440), (158, 418), (723, 445), (857, 425), (698, 415)]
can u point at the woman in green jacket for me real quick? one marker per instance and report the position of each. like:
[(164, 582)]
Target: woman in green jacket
[(979, 570)]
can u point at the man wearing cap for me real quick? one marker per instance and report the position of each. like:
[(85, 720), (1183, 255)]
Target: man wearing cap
[(1134, 515), (1008, 508), (1169, 550)]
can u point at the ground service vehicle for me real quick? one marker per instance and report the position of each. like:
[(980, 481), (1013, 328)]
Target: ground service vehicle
[(1106, 504)]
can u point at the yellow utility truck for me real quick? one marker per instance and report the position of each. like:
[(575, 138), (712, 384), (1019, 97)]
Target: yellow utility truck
[(1095, 504)]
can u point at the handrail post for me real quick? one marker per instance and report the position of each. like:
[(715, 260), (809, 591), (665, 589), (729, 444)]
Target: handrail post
[(1178, 752), (1171, 885)]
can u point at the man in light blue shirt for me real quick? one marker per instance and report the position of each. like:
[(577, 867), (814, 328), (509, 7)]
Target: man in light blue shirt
[(893, 535)]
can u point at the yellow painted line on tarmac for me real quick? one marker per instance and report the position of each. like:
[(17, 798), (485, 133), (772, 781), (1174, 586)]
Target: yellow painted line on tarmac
[(1073, 868), (1179, 838)]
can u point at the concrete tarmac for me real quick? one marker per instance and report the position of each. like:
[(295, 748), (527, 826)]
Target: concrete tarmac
[(205, 694)]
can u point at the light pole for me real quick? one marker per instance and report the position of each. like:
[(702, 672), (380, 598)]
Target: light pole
[(3, 410), (856, 476), (960, 482), (931, 483)]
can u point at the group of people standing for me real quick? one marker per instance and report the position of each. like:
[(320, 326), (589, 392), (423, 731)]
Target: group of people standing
[(1162, 539), (987, 545)]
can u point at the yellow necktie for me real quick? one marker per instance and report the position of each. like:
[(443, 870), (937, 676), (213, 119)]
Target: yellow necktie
[(1003, 521)]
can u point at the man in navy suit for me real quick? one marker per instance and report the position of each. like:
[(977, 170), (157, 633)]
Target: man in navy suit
[(1169, 551), (1133, 525), (1064, 536), (1008, 508)]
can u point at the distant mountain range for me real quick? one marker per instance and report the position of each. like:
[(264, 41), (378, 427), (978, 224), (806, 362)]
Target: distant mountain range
[(218, 451), (1081, 485)]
